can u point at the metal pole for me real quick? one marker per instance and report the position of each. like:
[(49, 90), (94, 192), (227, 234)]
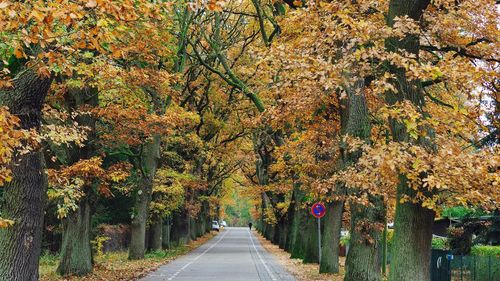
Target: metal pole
[(384, 250), (319, 240)]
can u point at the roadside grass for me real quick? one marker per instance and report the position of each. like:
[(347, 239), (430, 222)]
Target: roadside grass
[(301, 271), (115, 266)]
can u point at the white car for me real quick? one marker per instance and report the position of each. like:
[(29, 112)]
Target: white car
[(224, 224), (215, 226)]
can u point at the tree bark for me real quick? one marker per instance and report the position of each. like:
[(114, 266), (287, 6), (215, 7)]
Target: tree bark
[(311, 251), (156, 235), (412, 224), (362, 263), (165, 241), (24, 197), (299, 225), (412, 241), (179, 232), (363, 260), (331, 238), (76, 253), (141, 205)]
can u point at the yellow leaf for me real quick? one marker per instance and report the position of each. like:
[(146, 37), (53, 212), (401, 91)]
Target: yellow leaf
[(38, 15)]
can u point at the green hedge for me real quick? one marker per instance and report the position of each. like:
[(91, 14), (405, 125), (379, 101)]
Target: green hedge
[(439, 243), (482, 250)]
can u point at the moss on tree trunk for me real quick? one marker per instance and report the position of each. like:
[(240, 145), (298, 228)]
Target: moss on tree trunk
[(411, 244), (149, 162), (156, 235), (165, 241), (412, 241), (332, 222), (300, 225), (311, 251), (363, 262), (76, 254)]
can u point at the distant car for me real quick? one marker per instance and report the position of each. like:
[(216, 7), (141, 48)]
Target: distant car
[(224, 224), (215, 226)]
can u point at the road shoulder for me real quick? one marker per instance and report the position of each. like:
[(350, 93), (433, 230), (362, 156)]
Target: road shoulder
[(301, 271)]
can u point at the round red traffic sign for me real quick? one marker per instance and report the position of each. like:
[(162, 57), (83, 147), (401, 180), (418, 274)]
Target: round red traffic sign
[(318, 210)]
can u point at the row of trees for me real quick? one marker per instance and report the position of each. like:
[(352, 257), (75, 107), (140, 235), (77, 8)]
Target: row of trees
[(385, 110), (105, 99)]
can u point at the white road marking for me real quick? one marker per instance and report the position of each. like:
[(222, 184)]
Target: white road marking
[(195, 259), (261, 259)]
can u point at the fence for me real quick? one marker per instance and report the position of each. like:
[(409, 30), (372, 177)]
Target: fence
[(447, 267)]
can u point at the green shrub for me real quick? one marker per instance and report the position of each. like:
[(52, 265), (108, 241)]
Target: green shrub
[(345, 240), (484, 250), (439, 243)]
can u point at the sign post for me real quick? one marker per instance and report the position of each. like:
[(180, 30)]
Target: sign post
[(318, 210)]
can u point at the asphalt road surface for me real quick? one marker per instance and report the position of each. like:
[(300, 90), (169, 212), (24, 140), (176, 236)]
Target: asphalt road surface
[(235, 254)]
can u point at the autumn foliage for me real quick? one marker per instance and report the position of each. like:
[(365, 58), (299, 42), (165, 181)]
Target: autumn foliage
[(173, 106)]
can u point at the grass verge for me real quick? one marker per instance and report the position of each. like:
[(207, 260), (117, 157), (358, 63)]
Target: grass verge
[(116, 267)]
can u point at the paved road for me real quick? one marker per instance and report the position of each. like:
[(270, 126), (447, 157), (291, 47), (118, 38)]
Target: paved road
[(235, 254)]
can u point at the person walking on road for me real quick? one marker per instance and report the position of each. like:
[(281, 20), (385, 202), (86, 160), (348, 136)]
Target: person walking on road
[(250, 225)]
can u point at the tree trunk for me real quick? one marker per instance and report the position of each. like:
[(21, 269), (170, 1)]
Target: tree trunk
[(311, 251), (156, 235), (179, 232), (412, 241), (411, 250), (25, 196), (362, 263), (141, 206), (192, 229), (363, 260), (300, 226), (283, 232), (138, 225), (76, 253), (330, 239), (296, 220), (166, 233)]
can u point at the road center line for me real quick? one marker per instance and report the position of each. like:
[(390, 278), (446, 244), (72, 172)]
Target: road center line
[(261, 259), (199, 256)]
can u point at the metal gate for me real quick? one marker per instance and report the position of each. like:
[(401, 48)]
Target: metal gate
[(440, 266)]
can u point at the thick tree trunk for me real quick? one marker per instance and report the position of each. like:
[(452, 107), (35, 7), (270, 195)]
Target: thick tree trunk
[(311, 251), (141, 206), (362, 263), (363, 260), (139, 221), (76, 253), (180, 230), (412, 241), (294, 229), (156, 235), (330, 238), (283, 232), (411, 250), (300, 225), (25, 196)]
